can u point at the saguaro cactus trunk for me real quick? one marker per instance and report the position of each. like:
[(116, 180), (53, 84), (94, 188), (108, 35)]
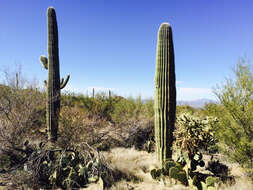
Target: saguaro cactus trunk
[(54, 85), (165, 94)]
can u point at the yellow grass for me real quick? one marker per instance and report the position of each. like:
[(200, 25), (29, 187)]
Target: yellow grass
[(137, 164)]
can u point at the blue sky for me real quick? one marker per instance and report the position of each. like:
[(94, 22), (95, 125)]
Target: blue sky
[(111, 44)]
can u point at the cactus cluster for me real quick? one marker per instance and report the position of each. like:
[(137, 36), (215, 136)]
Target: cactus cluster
[(193, 134), (165, 94), (71, 171), (178, 174), (183, 175), (67, 168), (171, 169), (53, 84), (208, 184)]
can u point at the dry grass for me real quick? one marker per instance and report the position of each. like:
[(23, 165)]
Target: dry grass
[(136, 165), (241, 184)]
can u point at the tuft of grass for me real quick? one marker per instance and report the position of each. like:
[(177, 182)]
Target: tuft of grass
[(134, 164)]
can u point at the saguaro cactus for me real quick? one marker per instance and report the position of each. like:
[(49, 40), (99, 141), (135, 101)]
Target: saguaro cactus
[(165, 94), (53, 84)]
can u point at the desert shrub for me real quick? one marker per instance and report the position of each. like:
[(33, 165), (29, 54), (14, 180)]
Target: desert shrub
[(134, 119), (72, 126), (185, 109), (129, 108), (213, 109), (115, 108), (235, 127), (100, 106), (52, 167), (69, 99), (21, 117), (139, 134), (76, 127), (124, 110), (149, 109)]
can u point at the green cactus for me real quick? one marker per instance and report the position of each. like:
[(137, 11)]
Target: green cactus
[(210, 181), (168, 164), (165, 94), (173, 172), (156, 173), (204, 186), (153, 173), (53, 84), (185, 175), (179, 166), (179, 174), (196, 182), (182, 177)]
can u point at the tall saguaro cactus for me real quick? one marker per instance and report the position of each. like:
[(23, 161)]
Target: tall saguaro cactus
[(165, 94), (53, 84)]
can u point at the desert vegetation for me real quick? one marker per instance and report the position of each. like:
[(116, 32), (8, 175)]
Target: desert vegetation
[(54, 140)]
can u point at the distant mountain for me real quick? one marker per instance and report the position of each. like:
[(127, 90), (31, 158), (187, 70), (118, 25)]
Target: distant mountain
[(199, 103)]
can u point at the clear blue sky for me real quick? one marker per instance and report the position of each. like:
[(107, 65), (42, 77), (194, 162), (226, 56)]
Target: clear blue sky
[(111, 44)]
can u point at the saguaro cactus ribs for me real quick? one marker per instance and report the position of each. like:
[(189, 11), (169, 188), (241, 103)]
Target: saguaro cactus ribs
[(165, 94), (53, 84)]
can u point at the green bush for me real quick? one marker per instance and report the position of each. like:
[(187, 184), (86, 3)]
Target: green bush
[(185, 109), (235, 127), (100, 106), (126, 109)]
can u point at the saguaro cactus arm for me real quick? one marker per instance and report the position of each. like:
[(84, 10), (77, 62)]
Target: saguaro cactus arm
[(45, 83), (53, 84), (64, 82), (44, 61)]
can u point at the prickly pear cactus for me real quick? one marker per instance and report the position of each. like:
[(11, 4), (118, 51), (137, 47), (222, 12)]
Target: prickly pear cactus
[(69, 168), (210, 181), (165, 94), (185, 175), (53, 84), (156, 173)]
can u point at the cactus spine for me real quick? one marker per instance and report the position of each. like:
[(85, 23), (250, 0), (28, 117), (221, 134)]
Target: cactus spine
[(53, 84), (165, 94)]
